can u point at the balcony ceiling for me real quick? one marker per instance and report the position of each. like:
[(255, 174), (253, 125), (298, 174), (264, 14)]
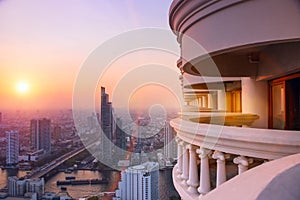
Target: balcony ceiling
[(228, 37)]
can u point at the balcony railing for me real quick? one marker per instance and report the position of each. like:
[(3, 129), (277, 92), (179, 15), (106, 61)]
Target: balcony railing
[(202, 144)]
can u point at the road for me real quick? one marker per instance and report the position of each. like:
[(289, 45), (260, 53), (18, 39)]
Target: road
[(42, 171)]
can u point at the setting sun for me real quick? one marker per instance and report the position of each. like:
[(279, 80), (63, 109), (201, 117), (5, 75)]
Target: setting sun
[(22, 87)]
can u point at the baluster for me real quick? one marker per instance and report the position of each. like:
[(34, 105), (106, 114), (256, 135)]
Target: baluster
[(179, 157), (193, 181), (204, 171), (185, 164), (243, 163), (221, 166)]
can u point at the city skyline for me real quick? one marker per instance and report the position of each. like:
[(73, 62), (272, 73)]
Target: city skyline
[(43, 47)]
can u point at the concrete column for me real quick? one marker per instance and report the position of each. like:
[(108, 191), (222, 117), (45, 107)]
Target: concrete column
[(204, 171), (221, 100), (204, 102), (200, 102), (209, 100), (221, 166), (193, 181), (243, 163), (185, 164), (179, 157)]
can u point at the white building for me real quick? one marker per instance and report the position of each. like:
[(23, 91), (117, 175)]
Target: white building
[(36, 186), (139, 182), (12, 147), (41, 134), (170, 145), (16, 186), (20, 187)]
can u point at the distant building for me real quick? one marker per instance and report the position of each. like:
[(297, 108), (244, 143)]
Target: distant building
[(57, 132), (12, 147), (106, 122), (0, 118), (16, 186), (139, 182), (92, 121), (32, 156), (170, 145), (36, 186), (20, 187), (40, 134)]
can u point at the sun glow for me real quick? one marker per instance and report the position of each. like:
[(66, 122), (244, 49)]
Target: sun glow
[(22, 87)]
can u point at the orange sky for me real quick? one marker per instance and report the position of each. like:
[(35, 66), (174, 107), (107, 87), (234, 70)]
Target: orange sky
[(46, 42)]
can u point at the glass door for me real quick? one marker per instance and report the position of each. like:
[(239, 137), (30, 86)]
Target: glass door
[(285, 103)]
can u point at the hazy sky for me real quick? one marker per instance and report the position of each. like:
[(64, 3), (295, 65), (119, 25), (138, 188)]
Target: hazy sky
[(44, 43)]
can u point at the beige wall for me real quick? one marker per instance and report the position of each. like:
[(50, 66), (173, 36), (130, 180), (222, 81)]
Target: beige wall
[(255, 100)]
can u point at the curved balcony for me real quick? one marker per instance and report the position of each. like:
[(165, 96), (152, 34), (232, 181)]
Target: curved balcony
[(202, 145), (236, 33)]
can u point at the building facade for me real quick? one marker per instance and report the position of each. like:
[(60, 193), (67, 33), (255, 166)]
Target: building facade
[(139, 182), (12, 147), (120, 135), (36, 186), (170, 146), (40, 130), (240, 73), (16, 187), (19, 187)]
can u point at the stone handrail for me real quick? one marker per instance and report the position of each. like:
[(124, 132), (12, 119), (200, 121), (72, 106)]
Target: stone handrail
[(260, 143)]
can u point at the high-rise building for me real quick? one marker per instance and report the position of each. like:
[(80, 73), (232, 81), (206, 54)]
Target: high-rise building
[(106, 120), (0, 118), (139, 182), (170, 145), (40, 134), (12, 147)]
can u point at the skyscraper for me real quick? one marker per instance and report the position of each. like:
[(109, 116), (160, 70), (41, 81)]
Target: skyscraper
[(40, 134), (106, 126), (139, 182), (12, 147)]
